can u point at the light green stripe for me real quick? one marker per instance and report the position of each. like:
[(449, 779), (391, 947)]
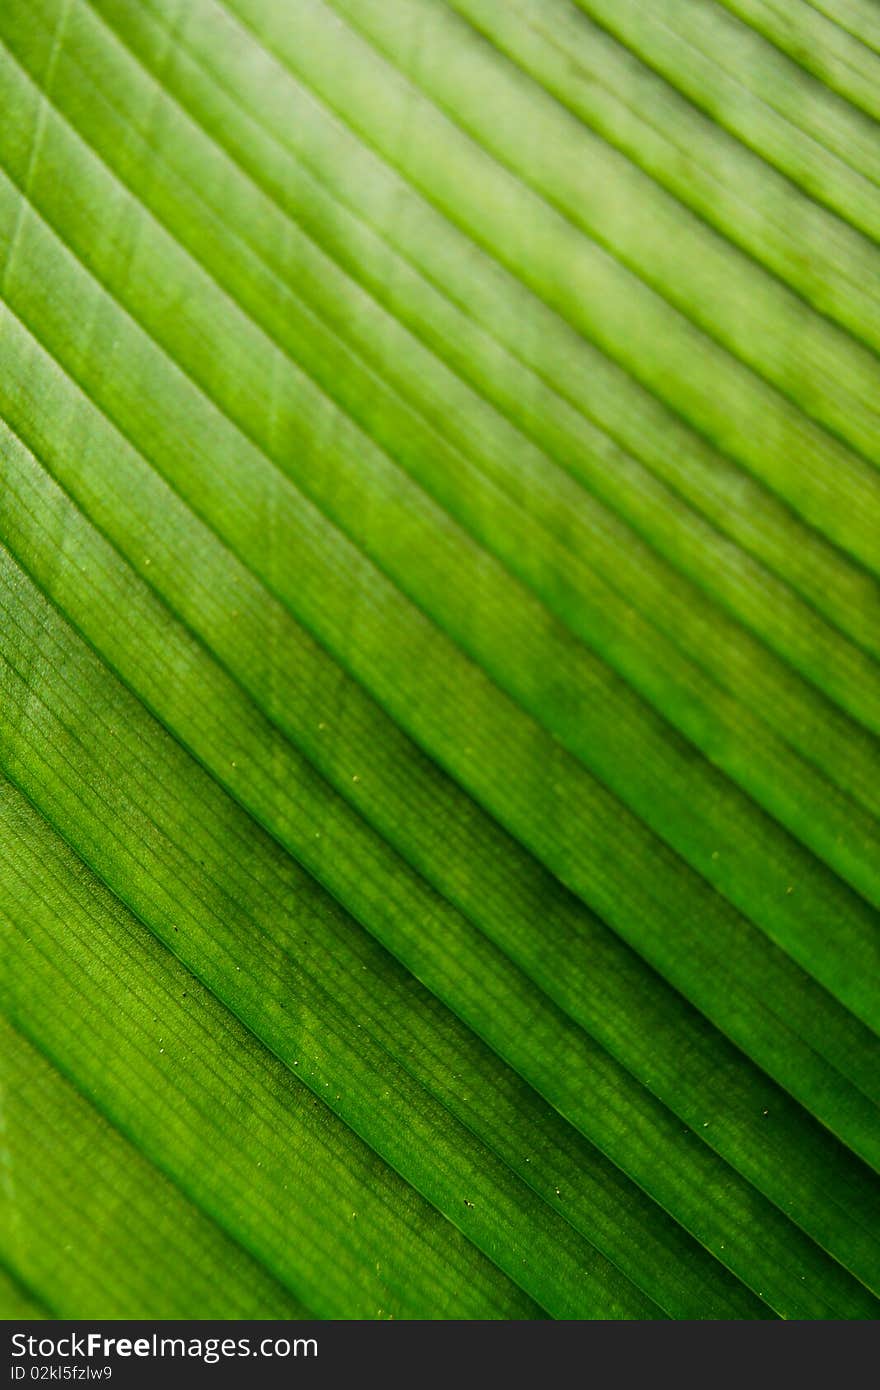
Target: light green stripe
[(732, 189), (735, 304), (835, 491), (820, 141), (822, 48), (858, 17)]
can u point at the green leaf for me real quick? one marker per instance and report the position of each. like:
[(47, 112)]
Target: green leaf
[(438, 686)]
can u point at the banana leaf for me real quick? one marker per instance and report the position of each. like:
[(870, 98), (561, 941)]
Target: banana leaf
[(439, 637)]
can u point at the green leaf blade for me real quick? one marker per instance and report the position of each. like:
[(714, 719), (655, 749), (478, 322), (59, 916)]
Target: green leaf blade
[(439, 658)]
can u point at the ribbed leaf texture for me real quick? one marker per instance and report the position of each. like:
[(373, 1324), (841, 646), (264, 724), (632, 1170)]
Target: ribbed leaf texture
[(439, 698)]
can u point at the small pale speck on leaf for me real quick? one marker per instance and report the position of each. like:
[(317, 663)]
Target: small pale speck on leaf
[(355, 778)]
